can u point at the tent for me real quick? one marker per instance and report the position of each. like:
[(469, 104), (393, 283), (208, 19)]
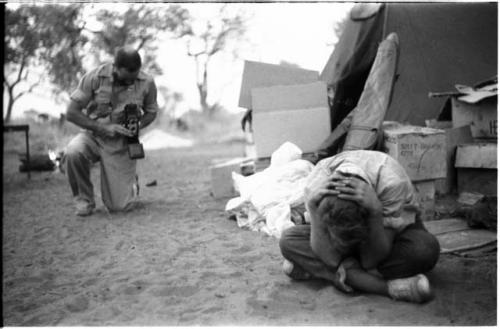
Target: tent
[(441, 44)]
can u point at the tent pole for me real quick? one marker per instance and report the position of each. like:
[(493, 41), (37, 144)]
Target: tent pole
[(384, 27)]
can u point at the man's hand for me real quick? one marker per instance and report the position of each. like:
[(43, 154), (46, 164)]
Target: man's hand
[(113, 130), (320, 240), (314, 197), (357, 190)]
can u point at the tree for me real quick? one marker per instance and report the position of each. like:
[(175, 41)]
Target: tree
[(338, 29), (138, 26), (48, 35), (207, 39)]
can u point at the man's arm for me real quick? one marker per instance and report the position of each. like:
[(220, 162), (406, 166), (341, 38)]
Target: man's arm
[(320, 240), (74, 115), (150, 106), (322, 246), (379, 242)]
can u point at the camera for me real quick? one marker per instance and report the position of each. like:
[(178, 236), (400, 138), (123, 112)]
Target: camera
[(131, 122)]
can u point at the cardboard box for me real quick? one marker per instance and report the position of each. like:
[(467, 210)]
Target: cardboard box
[(476, 165), (300, 96), (420, 150), (426, 197), (297, 113), (305, 128), (481, 116), (256, 74), (454, 137), (221, 177)]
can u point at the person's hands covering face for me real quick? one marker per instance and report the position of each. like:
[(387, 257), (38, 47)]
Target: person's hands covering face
[(314, 197)]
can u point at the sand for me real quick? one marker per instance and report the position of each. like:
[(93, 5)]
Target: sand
[(179, 260)]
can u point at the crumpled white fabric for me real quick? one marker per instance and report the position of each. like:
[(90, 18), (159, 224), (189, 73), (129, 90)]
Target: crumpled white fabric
[(266, 197)]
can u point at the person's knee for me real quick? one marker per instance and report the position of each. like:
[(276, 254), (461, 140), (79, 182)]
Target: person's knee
[(417, 251), (428, 252), (425, 251), (73, 153)]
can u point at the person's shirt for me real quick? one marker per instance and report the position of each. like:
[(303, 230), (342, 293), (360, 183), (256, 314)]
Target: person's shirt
[(100, 96), (389, 180)]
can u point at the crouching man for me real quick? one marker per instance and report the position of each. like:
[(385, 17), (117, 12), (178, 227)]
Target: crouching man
[(365, 233), (111, 103)]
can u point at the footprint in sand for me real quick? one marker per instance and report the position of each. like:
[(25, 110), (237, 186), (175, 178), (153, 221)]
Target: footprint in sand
[(77, 304), (51, 318), (136, 288), (179, 291)]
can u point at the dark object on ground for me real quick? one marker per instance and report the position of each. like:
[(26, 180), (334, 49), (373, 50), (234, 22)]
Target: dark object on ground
[(26, 129), (37, 162), (181, 125), (151, 183), (483, 214)]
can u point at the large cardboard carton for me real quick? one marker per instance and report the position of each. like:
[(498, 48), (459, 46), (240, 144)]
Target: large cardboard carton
[(221, 177), (481, 116), (426, 197), (297, 113), (305, 128), (476, 165), (454, 137), (292, 97), (420, 150), (256, 74)]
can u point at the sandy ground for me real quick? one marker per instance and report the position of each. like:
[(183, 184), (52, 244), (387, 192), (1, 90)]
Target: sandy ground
[(180, 261)]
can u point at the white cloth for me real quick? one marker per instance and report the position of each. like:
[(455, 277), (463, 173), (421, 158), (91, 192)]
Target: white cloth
[(266, 197)]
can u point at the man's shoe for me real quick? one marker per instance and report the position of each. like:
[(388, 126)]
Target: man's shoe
[(416, 289), (294, 271), (84, 209)]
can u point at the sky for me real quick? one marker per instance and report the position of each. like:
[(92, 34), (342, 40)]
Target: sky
[(298, 33)]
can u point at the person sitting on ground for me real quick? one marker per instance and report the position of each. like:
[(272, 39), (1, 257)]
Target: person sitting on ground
[(364, 230)]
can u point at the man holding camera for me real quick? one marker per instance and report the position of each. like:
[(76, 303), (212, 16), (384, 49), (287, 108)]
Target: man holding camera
[(111, 103)]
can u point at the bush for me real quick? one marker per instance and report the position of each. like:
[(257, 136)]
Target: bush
[(43, 136), (220, 126)]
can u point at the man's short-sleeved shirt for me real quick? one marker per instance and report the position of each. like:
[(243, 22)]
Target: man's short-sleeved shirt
[(96, 88), (389, 180)]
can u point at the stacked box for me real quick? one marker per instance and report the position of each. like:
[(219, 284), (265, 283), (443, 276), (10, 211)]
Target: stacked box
[(476, 165), (454, 137), (297, 113), (221, 177), (426, 192), (481, 116), (256, 74), (420, 150)]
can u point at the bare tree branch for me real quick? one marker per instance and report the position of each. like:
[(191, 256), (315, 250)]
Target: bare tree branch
[(5, 82), (143, 41), (28, 90), (19, 74)]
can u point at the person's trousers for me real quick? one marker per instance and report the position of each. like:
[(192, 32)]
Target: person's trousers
[(118, 171), (414, 251)]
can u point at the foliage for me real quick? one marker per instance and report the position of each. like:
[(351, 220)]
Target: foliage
[(139, 27), (339, 27), (43, 136), (48, 35), (172, 100), (207, 38)]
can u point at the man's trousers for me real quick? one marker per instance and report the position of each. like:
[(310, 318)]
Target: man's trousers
[(118, 171)]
